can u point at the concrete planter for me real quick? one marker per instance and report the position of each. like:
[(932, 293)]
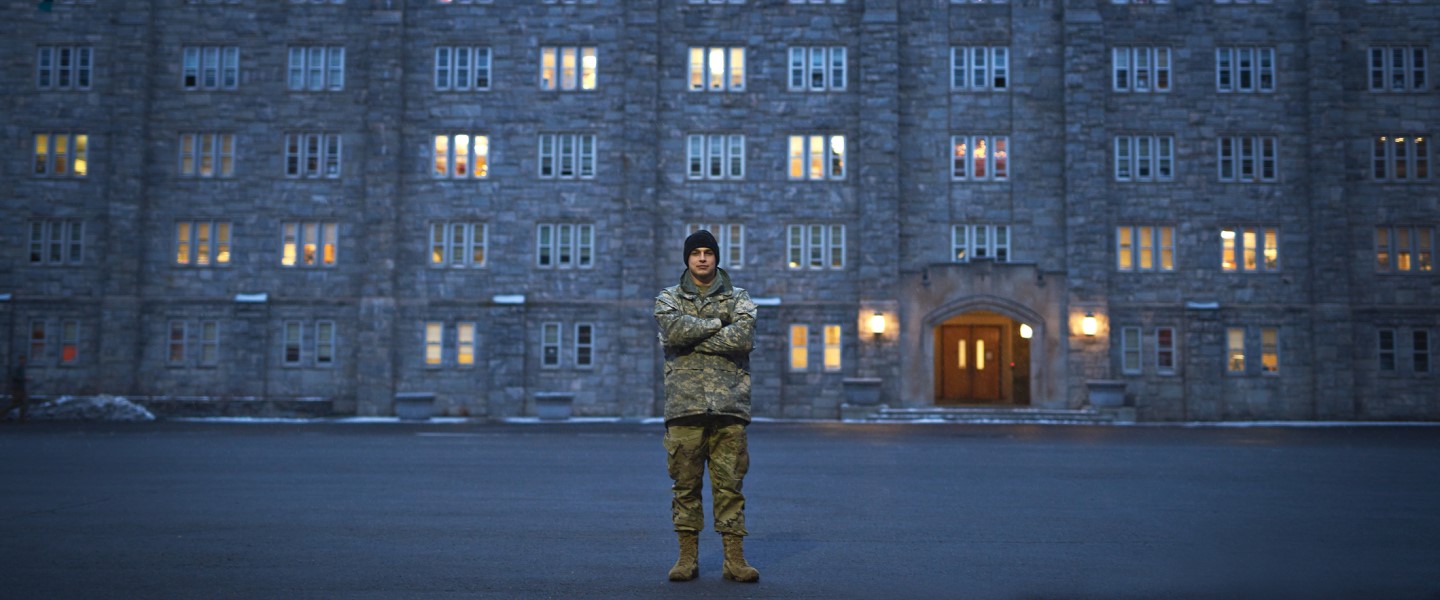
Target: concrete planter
[(415, 406), (1106, 393), (862, 391), (554, 405)]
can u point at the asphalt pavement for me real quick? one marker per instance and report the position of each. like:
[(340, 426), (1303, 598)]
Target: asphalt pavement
[(392, 510)]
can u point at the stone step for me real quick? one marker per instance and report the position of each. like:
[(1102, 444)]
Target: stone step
[(989, 414)]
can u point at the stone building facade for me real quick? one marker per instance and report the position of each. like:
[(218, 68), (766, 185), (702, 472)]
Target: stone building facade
[(1227, 206)]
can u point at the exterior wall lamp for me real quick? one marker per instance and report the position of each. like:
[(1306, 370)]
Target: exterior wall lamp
[(1088, 325), (1026, 331), (877, 323)]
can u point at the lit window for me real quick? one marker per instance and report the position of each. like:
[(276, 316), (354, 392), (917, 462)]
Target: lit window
[(980, 158), (434, 343), (202, 243), (1249, 249), (832, 348), (465, 344), (309, 243), (1402, 249), (1145, 248), (717, 69), (458, 245), (817, 157), (1235, 350), (799, 347), (1270, 350), (568, 68), (461, 156), (69, 342), (62, 154)]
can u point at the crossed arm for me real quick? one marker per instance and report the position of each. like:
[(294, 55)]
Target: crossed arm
[(709, 335)]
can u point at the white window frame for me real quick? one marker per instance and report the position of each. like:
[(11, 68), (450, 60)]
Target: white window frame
[(1247, 158), (731, 237), (203, 243), (815, 247), (325, 343), (210, 68), (64, 68), (309, 244), (466, 343), (176, 350), (463, 68), (715, 156), (1164, 350), (1145, 248), (563, 68), (1141, 69), (550, 345), (716, 69), (38, 341), (566, 156), (1400, 158), (821, 157), (69, 343), (584, 345), (207, 154), (832, 358), (979, 158), (432, 354), (1420, 351), (1132, 346), (1245, 69), (62, 154), (460, 156), (1398, 68), (209, 343), (1243, 245), (459, 245), (980, 68), (1144, 158), (979, 241), (818, 68), (313, 155), (799, 343), (316, 69), (1235, 355), (565, 245), (1405, 249), (57, 242), (292, 338)]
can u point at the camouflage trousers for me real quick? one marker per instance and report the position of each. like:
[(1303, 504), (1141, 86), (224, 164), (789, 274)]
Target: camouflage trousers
[(720, 443)]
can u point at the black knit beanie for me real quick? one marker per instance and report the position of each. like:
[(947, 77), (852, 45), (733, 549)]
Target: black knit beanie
[(700, 239)]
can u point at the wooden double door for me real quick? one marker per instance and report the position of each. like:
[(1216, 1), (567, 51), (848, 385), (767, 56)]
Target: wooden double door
[(969, 368)]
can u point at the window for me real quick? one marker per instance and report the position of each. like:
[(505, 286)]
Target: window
[(1247, 158), (293, 334), (1246, 1), (202, 243), (461, 156), (69, 342), (550, 345), (1420, 350), (1137, 69), (64, 67), (179, 343), (1235, 350), (717, 69), (980, 158), (832, 348), (1387, 350), (317, 68), (1144, 158), (458, 245), (567, 156), (1270, 350), (980, 242), (465, 1), (62, 154), (1398, 69), (1403, 249), (1145, 248), (817, 1), (1249, 249), (176, 344), (1165, 350), (816, 247), (799, 347), (717, 1), (817, 68), (57, 242), (980, 68), (210, 68), (465, 344), (568, 68), (324, 343), (584, 345), (1244, 69), (731, 237), (207, 154), (1401, 158), (434, 343), (309, 243), (817, 157), (303, 1), (39, 341), (312, 155), (1130, 350), (462, 68), (715, 156), (209, 343), (565, 245)]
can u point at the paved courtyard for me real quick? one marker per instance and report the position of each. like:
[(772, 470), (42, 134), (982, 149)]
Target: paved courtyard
[(348, 510)]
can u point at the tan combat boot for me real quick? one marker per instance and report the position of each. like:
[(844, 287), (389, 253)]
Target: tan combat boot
[(687, 567), (736, 568)]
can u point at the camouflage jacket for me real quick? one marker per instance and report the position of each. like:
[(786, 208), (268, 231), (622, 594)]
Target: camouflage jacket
[(707, 341)]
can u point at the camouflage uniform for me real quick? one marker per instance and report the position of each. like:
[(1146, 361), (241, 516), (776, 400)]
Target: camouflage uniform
[(707, 339)]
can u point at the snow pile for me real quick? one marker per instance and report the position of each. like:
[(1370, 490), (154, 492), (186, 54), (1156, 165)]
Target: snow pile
[(88, 408)]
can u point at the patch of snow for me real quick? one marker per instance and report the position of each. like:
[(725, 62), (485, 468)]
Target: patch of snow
[(85, 408)]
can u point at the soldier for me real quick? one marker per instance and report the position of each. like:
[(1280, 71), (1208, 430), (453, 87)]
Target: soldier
[(707, 329)]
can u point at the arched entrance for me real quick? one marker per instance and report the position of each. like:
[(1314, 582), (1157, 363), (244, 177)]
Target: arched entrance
[(982, 357)]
